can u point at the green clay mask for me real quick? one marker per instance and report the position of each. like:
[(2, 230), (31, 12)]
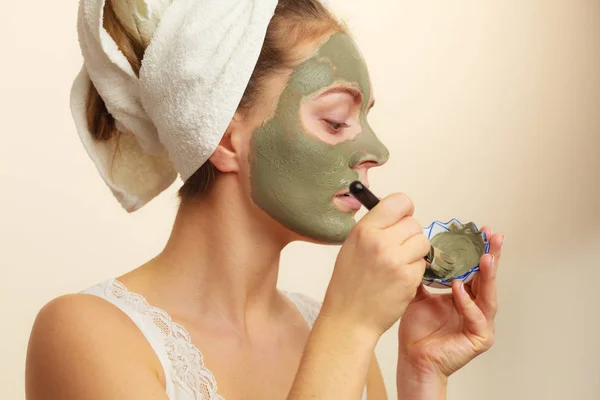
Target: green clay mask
[(464, 244), (295, 174)]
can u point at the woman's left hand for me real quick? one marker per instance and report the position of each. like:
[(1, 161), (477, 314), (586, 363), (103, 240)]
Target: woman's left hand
[(441, 333)]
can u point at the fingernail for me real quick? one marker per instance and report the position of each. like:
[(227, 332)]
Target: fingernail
[(502, 241), (462, 287), (493, 261)]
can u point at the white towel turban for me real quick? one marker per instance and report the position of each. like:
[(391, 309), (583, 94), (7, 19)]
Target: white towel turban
[(199, 60)]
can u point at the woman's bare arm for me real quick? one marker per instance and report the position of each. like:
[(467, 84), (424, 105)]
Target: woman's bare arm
[(82, 347), (335, 362)]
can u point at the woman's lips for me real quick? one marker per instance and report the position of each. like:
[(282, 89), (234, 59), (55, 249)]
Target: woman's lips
[(346, 203)]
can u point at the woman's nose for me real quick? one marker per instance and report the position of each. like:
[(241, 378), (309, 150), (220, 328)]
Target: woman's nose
[(371, 153)]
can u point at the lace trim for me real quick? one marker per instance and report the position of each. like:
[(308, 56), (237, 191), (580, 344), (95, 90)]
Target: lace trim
[(186, 360)]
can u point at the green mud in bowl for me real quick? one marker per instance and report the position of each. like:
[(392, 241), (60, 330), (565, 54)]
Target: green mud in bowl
[(465, 243)]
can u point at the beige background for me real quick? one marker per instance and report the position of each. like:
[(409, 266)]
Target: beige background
[(491, 110)]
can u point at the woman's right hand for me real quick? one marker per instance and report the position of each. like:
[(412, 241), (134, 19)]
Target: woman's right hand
[(379, 268)]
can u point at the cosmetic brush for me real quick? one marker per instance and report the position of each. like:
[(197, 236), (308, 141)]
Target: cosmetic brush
[(439, 262)]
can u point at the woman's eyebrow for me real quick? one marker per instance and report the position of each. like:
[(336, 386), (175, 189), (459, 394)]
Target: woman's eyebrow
[(352, 91)]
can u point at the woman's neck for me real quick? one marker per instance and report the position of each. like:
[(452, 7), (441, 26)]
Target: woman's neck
[(221, 261)]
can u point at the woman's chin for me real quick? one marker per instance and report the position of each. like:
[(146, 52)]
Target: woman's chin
[(334, 236)]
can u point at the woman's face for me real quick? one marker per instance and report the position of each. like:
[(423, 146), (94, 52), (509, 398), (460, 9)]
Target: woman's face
[(316, 143)]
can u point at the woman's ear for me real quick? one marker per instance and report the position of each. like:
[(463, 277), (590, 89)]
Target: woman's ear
[(226, 157)]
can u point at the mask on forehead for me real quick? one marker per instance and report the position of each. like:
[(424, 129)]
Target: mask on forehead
[(294, 174)]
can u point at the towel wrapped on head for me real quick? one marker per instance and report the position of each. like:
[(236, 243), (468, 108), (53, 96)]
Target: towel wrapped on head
[(199, 58)]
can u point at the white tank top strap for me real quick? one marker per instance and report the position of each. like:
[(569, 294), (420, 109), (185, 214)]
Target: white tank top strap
[(114, 293), (185, 374), (307, 306)]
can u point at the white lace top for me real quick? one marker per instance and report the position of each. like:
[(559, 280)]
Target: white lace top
[(187, 378)]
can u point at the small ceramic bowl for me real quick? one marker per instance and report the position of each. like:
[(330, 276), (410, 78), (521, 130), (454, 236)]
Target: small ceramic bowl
[(439, 227)]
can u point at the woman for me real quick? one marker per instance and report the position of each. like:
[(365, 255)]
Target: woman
[(206, 309)]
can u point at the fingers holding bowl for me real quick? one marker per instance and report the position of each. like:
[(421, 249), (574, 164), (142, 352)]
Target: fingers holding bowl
[(486, 285)]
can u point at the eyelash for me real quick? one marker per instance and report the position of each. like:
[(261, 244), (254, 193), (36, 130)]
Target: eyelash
[(338, 125)]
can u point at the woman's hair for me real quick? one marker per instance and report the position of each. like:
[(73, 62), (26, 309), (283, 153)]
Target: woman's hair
[(295, 23)]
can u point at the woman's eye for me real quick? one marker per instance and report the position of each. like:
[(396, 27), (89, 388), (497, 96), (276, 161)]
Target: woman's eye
[(336, 126)]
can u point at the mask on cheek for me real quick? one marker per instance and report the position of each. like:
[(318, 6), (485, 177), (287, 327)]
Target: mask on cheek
[(294, 174)]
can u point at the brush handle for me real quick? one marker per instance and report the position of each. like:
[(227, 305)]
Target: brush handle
[(430, 256), (364, 195)]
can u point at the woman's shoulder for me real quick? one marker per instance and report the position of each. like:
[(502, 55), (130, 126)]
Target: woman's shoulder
[(100, 315), (80, 321), (81, 311), (89, 310), (75, 333)]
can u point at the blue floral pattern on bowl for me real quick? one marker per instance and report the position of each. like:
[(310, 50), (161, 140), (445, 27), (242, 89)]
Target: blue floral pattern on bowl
[(439, 227)]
